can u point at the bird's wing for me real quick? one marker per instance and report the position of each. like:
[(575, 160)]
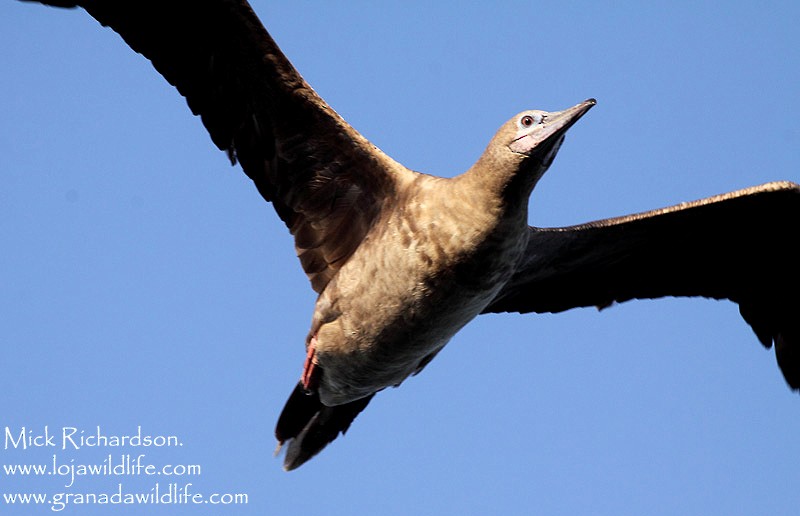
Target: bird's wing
[(325, 180), (740, 246)]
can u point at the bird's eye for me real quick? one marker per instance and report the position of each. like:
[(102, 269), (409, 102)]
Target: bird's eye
[(526, 121)]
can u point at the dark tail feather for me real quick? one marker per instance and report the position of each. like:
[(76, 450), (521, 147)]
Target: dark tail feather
[(309, 426)]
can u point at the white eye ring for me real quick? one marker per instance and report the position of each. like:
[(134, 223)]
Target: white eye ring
[(529, 120)]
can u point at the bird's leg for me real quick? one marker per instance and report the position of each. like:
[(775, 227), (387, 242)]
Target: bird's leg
[(310, 374)]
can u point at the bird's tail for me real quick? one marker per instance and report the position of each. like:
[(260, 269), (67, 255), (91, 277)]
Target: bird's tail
[(309, 426)]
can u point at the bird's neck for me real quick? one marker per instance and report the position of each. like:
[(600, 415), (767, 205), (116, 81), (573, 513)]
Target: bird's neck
[(498, 185)]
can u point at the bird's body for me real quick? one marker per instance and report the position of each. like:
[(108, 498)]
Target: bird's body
[(439, 253), (407, 290), (401, 260)]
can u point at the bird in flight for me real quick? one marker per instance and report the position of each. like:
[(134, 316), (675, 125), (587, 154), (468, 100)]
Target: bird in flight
[(402, 260)]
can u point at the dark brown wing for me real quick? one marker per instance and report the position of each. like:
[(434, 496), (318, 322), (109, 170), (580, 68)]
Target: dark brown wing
[(740, 246), (326, 181)]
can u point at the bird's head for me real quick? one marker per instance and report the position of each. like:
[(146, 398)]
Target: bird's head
[(538, 134), (525, 146)]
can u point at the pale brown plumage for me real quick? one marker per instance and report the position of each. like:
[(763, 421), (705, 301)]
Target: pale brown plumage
[(402, 260)]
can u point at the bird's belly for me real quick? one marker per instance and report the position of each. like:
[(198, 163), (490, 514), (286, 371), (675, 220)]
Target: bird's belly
[(388, 319), (380, 345)]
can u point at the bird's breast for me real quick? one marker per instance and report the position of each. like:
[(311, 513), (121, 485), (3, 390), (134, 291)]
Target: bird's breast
[(407, 290)]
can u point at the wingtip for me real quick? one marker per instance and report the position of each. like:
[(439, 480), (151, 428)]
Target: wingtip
[(787, 353)]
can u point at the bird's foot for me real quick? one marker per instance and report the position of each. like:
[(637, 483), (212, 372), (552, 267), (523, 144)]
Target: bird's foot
[(310, 374)]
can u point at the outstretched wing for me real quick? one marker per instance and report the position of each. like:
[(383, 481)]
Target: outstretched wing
[(326, 181), (740, 246)]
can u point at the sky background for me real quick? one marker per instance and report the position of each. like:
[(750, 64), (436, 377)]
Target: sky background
[(144, 282)]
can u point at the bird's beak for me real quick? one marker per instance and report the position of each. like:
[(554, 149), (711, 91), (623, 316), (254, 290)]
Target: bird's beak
[(542, 136)]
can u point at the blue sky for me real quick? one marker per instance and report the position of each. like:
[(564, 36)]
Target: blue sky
[(143, 281)]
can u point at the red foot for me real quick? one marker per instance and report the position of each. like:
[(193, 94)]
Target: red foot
[(309, 377)]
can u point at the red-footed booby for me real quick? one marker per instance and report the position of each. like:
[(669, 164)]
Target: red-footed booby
[(402, 260)]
